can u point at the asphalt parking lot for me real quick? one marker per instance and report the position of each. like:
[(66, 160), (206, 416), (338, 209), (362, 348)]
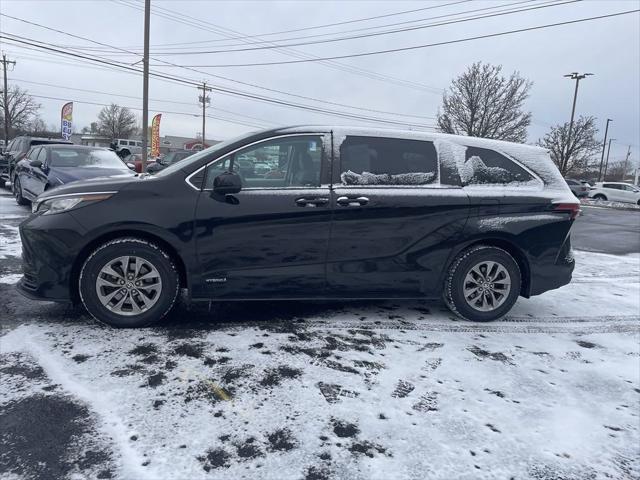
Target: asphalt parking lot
[(328, 390)]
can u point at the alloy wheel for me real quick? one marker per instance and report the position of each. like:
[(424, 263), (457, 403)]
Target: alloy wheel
[(128, 285), (487, 286)]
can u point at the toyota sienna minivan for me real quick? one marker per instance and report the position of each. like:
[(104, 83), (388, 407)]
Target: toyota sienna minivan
[(309, 213)]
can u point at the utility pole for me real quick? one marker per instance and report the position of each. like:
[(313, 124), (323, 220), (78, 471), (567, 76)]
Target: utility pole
[(577, 77), (626, 160), (6, 62), (606, 164), (205, 100), (145, 86), (604, 144)]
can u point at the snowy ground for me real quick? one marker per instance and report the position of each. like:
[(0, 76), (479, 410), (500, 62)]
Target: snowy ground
[(387, 390), (608, 204)]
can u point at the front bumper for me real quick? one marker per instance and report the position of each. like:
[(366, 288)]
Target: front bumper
[(50, 245)]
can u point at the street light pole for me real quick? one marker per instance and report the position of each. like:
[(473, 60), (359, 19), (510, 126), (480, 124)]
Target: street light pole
[(606, 164), (604, 145), (145, 86), (577, 77)]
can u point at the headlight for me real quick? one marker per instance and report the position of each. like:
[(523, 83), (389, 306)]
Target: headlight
[(49, 206)]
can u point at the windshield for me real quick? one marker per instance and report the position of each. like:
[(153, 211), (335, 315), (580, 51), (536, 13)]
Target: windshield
[(84, 158), (197, 156)]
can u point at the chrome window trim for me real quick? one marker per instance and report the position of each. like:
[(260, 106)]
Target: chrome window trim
[(188, 177)]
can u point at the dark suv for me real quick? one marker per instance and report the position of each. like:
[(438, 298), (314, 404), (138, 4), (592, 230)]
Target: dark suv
[(330, 213), (17, 149)]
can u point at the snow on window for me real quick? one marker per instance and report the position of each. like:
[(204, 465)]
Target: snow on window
[(368, 178), (388, 161), (484, 166)]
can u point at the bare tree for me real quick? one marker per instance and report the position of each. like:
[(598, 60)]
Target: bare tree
[(22, 109), (579, 155), (115, 121), (483, 103)]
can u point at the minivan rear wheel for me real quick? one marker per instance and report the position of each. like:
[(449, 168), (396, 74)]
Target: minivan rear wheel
[(128, 282), (482, 284)]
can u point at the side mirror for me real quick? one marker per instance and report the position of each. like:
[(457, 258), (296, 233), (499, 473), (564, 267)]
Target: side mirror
[(131, 165), (226, 183), (36, 163)]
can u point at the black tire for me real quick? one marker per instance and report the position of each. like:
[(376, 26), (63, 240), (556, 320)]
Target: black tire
[(600, 196), (145, 250), (453, 293), (17, 193)]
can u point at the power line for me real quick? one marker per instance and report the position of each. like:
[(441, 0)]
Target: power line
[(217, 88), (175, 16), (304, 97), (140, 109), (373, 34), (191, 104), (320, 26), (416, 47), (257, 42)]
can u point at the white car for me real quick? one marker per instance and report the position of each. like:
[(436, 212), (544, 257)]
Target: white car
[(615, 192)]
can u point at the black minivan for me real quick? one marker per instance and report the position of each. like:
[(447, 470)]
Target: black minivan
[(309, 213)]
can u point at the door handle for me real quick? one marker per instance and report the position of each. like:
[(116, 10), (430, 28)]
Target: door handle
[(311, 202), (352, 201)]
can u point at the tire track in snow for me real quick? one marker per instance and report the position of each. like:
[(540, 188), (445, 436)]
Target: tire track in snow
[(131, 461)]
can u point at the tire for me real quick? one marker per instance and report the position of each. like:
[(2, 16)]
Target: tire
[(17, 192), (600, 196), (114, 298), (465, 266)]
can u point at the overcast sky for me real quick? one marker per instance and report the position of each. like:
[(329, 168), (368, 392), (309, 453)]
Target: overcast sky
[(412, 80)]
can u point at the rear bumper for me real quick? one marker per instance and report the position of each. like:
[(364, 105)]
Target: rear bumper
[(553, 273)]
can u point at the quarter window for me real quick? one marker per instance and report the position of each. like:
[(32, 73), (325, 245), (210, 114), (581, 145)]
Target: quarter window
[(42, 156), (484, 166), (387, 161), (32, 154), (280, 163)]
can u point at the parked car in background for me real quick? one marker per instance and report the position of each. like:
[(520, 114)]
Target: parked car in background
[(169, 159), (49, 166), (136, 160), (615, 192), (125, 147), (383, 214), (17, 149), (580, 188)]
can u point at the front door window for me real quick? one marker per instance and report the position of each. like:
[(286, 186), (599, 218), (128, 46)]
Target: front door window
[(280, 163)]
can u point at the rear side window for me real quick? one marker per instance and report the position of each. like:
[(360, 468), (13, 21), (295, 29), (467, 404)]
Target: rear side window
[(484, 166), (387, 161), (571, 182), (612, 185)]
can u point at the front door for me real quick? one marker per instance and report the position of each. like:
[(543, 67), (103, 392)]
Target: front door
[(397, 215), (269, 240)]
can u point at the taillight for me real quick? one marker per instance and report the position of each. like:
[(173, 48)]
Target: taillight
[(573, 209)]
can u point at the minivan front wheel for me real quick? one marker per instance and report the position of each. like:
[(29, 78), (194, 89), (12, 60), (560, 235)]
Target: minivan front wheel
[(128, 282), (482, 284)]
